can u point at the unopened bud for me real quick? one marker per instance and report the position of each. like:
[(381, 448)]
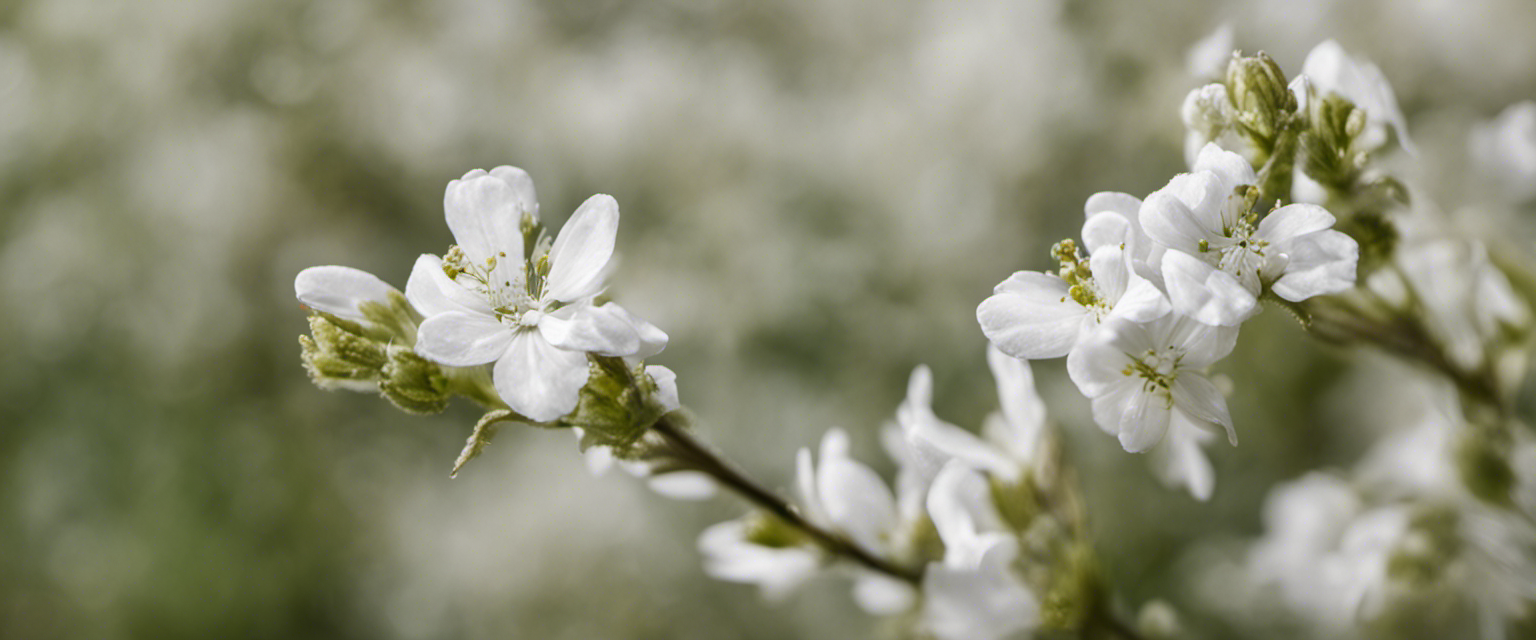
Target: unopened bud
[(338, 355), (413, 383), (1260, 96)]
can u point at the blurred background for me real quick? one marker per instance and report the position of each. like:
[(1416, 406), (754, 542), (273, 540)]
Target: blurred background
[(815, 197)]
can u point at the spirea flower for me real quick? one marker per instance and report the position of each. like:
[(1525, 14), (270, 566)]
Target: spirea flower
[(1222, 254), (1034, 315), (497, 297), (1142, 377)]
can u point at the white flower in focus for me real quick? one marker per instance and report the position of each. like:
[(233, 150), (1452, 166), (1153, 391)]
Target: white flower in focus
[(974, 593), (341, 291), (1221, 255), (1144, 377), (1329, 68), (1034, 315), (532, 315), (1505, 149), (1113, 219)]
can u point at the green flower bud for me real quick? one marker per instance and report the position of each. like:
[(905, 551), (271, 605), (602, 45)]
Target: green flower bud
[(392, 322), (616, 408), (413, 383), (1262, 100), (338, 356)]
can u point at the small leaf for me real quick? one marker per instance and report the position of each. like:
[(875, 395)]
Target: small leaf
[(485, 429)]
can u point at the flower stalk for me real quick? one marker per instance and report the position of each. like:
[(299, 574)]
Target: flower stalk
[(694, 455)]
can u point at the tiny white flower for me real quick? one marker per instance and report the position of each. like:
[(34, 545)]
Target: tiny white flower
[(974, 593), (1011, 437), (1221, 255), (1329, 68), (1505, 149), (489, 302), (340, 291), (1034, 315), (1142, 377)]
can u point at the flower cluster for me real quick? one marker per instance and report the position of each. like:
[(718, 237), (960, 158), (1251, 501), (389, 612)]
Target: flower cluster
[(970, 510), (1404, 530), (1157, 298), (509, 317)]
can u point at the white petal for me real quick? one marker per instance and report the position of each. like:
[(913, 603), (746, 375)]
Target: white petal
[(1203, 404), (1022, 408), (881, 595), (598, 459), (1031, 316), (666, 386), (1143, 421), (432, 292), (460, 339), (981, 604), (485, 214), (805, 485), (1098, 361), (339, 290), (522, 187), (1141, 302), (604, 330), (1320, 263), (683, 485), (652, 339), (1111, 271), (1294, 220), (1202, 345), (1106, 230), (1179, 461), (582, 250), (1168, 220), (961, 509), (1198, 290), (539, 380), (728, 556), (1110, 405), (857, 501), (1232, 169), (952, 442)]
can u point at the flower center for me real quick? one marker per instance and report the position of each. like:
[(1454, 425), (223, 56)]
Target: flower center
[(1157, 370), (500, 284)]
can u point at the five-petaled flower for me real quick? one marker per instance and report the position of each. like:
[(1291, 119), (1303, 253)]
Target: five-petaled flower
[(496, 298)]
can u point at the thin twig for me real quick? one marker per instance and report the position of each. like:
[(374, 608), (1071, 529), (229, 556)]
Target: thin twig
[(701, 458)]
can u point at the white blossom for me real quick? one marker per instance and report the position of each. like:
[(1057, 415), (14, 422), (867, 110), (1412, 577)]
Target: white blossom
[(1142, 377), (974, 592), (1207, 57), (1221, 255), (731, 554), (1328, 68), (531, 315), (1034, 315)]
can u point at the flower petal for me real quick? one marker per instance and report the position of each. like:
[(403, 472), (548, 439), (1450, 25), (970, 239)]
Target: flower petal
[(683, 485), (857, 501), (1098, 361), (1202, 403), (1141, 302), (432, 292), (1023, 411), (1143, 421), (1230, 168), (652, 339), (461, 339), (666, 386), (485, 214), (881, 595), (339, 290), (539, 380), (1198, 290), (1167, 219), (582, 250), (1031, 316), (604, 330), (1320, 263), (1294, 220), (1179, 461), (522, 188)]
